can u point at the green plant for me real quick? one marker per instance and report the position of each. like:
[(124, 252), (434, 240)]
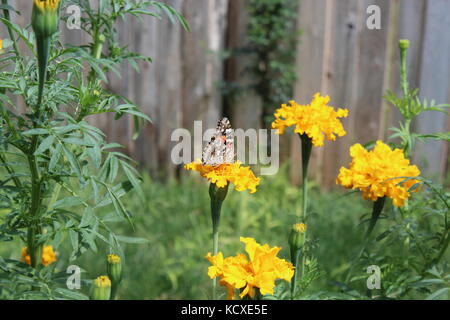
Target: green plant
[(57, 170), (419, 231), (410, 106)]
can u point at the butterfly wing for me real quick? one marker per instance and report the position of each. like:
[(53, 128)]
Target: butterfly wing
[(220, 149)]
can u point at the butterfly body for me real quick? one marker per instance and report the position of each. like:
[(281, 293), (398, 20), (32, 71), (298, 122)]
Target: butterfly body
[(220, 148)]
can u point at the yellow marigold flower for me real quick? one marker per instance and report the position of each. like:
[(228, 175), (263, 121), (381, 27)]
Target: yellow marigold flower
[(48, 256), (377, 173), (242, 177), (260, 270), (316, 120), (45, 5)]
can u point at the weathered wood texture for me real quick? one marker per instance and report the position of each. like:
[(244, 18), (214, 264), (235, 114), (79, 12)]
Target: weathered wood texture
[(337, 55)]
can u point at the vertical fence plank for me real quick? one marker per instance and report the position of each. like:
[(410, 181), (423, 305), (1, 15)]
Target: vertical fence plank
[(340, 80), (245, 109), (434, 84), (309, 60)]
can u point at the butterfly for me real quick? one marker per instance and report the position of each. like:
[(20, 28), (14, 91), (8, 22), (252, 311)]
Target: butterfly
[(220, 148)]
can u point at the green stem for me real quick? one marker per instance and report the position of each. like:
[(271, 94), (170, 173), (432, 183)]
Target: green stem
[(376, 212), (404, 84), (295, 259), (306, 155), (443, 249), (34, 229), (217, 197), (114, 288), (43, 51), (404, 73)]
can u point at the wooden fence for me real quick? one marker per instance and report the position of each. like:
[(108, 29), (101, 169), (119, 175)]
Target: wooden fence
[(337, 55)]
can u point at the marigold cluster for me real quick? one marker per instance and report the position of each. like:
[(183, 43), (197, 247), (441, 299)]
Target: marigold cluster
[(48, 256), (260, 269), (47, 4), (242, 177), (379, 173), (316, 120)]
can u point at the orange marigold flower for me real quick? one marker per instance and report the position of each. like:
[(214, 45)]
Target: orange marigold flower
[(379, 173), (260, 270), (48, 256), (316, 120), (242, 177)]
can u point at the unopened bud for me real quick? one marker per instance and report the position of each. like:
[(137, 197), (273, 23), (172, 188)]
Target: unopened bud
[(297, 236), (114, 268), (44, 17), (101, 288), (403, 44)]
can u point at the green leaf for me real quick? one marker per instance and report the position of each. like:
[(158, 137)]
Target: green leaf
[(56, 154), (438, 294), (73, 161), (88, 217), (73, 239), (132, 240), (45, 145), (133, 180), (36, 131), (68, 202), (71, 294)]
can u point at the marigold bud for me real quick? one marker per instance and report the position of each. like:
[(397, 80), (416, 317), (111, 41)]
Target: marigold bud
[(101, 288), (403, 44), (297, 236), (114, 268), (44, 17)]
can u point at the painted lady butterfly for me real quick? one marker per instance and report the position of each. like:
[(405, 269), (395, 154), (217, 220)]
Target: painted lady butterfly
[(220, 149)]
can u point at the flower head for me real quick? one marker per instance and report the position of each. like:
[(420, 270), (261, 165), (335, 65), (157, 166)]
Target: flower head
[(242, 177), (260, 268), (101, 288), (44, 17), (316, 120), (48, 256), (379, 173), (114, 268)]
